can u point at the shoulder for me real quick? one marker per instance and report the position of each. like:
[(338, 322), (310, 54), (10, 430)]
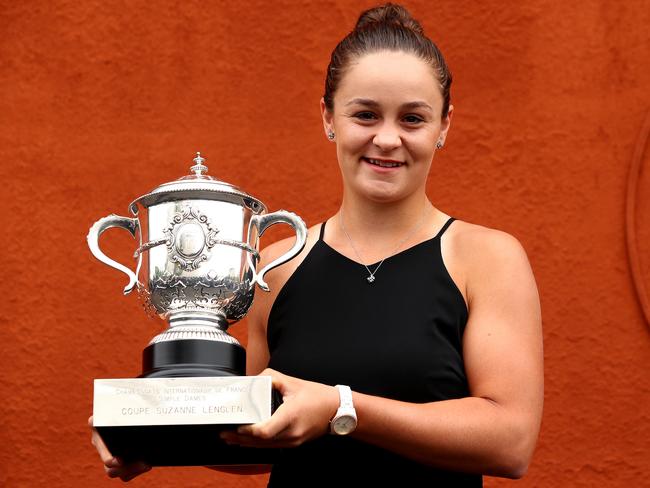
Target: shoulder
[(488, 257), (477, 242)]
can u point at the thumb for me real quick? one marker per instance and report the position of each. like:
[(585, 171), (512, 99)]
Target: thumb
[(278, 380)]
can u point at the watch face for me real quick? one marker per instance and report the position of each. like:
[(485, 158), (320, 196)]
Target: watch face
[(344, 424)]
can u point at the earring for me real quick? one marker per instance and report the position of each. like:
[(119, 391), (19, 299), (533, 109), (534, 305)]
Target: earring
[(439, 144), (330, 135)]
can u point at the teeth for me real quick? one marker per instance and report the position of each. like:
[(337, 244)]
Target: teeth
[(383, 164)]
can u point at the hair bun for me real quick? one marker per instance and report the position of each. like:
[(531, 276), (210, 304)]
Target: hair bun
[(389, 14)]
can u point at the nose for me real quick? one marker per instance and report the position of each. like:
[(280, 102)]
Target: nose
[(387, 137)]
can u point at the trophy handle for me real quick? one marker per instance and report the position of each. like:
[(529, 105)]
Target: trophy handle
[(263, 222), (132, 225)]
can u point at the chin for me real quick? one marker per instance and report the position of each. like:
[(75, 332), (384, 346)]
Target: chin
[(388, 191), (384, 195)]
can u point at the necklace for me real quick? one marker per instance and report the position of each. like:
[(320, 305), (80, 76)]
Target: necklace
[(371, 274)]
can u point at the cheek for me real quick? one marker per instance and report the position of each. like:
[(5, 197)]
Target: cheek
[(422, 148), (355, 139)]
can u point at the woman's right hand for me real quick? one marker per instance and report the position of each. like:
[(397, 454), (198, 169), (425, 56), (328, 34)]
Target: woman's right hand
[(114, 467)]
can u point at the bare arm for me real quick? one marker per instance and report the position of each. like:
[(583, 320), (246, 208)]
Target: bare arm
[(493, 431)]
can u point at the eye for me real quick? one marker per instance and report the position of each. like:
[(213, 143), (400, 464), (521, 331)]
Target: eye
[(413, 119), (365, 116)]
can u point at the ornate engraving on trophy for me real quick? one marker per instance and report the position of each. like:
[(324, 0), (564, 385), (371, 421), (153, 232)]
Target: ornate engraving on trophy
[(190, 237), (211, 292), (145, 299), (190, 240), (172, 296), (208, 296), (238, 308)]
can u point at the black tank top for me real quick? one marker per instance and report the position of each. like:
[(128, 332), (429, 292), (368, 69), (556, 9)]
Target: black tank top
[(399, 337)]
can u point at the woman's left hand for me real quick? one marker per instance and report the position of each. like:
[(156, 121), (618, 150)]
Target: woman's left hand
[(305, 414)]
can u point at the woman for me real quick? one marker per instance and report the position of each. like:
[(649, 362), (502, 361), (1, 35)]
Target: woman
[(431, 326)]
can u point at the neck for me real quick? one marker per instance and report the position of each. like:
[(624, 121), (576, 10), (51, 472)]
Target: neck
[(378, 225)]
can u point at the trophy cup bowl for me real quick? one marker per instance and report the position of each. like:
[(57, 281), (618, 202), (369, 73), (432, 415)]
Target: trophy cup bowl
[(196, 269)]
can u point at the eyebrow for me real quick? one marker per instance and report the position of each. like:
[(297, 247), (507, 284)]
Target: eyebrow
[(372, 103)]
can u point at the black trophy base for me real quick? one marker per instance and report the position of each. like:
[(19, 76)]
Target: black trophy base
[(181, 445), (187, 445), (193, 357)]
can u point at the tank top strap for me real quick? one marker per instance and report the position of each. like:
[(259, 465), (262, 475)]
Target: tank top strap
[(444, 227), (322, 231)]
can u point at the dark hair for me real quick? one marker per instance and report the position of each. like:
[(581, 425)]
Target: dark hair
[(388, 27)]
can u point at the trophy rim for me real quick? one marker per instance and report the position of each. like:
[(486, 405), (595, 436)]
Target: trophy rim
[(217, 192)]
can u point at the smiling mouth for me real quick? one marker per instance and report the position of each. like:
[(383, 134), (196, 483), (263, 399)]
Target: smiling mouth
[(382, 163)]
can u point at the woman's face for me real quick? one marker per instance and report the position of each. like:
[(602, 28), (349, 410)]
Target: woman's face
[(386, 120)]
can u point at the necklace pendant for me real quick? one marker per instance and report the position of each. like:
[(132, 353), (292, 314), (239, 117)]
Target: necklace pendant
[(371, 278)]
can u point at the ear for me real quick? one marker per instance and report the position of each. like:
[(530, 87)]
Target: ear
[(445, 123), (328, 118)]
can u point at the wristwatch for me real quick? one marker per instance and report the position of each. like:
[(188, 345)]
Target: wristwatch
[(345, 420)]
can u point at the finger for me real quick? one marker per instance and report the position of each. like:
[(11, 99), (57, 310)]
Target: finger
[(235, 437), (107, 458), (278, 380), (270, 428), (249, 441), (105, 455), (113, 472), (269, 372), (135, 469), (127, 472), (276, 377)]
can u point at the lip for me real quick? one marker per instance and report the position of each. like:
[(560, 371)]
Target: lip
[(383, 169)]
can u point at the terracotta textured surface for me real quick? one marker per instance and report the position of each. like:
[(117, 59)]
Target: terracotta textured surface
[(102, 101)]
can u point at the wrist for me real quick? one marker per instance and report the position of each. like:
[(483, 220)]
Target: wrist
[(333, 402), (344, 421)]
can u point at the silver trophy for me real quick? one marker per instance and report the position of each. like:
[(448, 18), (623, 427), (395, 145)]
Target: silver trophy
[(196, 262), (196, 268)]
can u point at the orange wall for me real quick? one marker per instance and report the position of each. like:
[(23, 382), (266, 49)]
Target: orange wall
[(102, 101)]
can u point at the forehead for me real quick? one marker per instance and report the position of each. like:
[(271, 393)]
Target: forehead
[(387, 77)]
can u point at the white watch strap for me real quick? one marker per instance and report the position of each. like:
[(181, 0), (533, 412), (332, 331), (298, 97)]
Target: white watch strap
[(345, 396)]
